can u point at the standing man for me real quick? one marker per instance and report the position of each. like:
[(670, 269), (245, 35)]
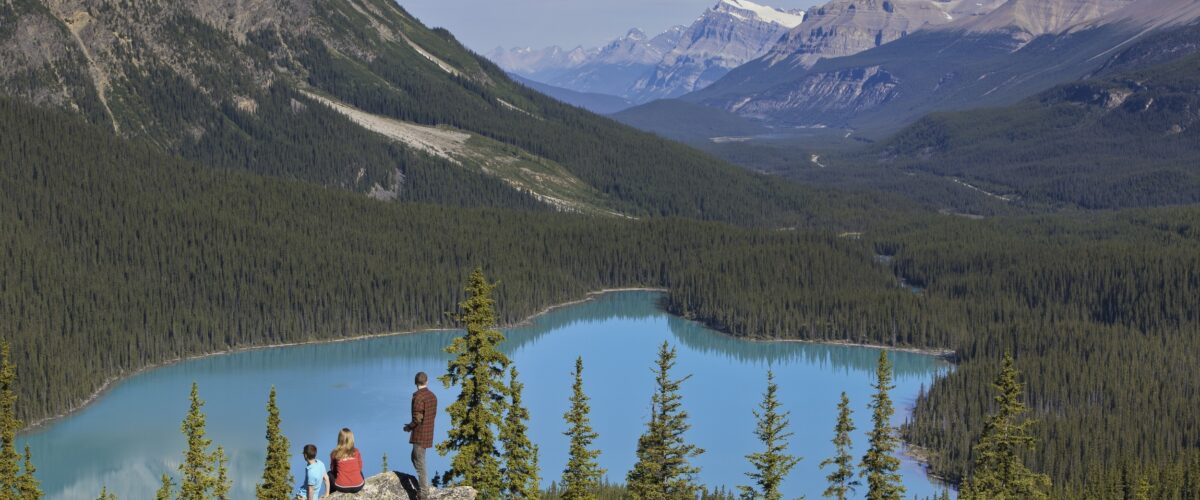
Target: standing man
[(424, 410)]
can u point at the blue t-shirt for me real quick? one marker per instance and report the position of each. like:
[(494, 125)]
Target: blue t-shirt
[(313, 475)]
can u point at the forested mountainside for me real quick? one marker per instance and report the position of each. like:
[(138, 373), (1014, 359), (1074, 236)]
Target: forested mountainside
[(120, 256), (246, 87), (1129, 139)]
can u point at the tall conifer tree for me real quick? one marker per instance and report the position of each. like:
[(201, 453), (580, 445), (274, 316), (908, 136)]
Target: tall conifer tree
[(520, 455), (841, 480), (581, 478), (774, 463), (28, 484), (999, 472), (196, 471), (164, 491), (221, 484), (880, 466), (663, 470), (478, 368), (277, 472), (13, 483)]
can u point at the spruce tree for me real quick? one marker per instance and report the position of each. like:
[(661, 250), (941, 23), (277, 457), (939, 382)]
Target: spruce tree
[(13, 483), (105, 495), (478, 367), (999, 473), (880, 465), (385, 464), (581, 478), (222, 485), (663, 470), (164, 491), (196, 471), (28, 484), (277, 472), (772, 464), (520, 455), (10, 466), (841, 480)]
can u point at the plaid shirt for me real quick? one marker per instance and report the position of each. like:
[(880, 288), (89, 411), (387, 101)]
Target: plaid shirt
[(424, 410)]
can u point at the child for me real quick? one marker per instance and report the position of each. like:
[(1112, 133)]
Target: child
[(314, 476)]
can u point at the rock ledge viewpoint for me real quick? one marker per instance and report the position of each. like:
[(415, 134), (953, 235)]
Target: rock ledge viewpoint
[(388, 486)]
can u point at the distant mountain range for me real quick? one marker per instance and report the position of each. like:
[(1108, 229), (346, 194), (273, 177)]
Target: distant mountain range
[(596, 103), (1010, 105), (640, 68), (876, 66)]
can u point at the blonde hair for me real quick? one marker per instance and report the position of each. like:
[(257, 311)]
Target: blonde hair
[(345, 446)]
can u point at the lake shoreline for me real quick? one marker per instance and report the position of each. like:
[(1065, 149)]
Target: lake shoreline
[(111, 382), (115, 380), (946, 354)]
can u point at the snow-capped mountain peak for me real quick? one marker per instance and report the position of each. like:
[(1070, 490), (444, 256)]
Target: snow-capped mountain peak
[(743, 9), (639, 67)]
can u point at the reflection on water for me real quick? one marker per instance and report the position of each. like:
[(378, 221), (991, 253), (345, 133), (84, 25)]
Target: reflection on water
[(131, 436), (831, 356)]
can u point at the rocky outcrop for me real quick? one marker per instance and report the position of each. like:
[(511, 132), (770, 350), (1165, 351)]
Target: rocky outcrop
[(398, 486), (825, 94)]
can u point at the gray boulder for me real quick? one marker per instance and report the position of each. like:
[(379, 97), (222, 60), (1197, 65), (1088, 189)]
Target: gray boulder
[(399, 486)]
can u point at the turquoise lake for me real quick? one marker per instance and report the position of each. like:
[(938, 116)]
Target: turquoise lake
[(130, 436)]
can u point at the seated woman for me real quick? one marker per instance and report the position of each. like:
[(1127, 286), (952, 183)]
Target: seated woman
[(345, 465)]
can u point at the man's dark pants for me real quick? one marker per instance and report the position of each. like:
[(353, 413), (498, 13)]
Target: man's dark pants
[(418, 460)]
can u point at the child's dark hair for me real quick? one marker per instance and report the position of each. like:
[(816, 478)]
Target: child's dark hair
[(310, 451)]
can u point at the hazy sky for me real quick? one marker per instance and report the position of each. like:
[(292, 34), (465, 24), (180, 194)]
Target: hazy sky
[(485, 24)]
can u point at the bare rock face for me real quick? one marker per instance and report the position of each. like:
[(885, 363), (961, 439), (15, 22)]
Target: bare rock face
[(846, 27), (1028, 19), (845, 91), (397, 486), (725, 37)]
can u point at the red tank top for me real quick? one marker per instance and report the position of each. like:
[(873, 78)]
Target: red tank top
[(347, 471)]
